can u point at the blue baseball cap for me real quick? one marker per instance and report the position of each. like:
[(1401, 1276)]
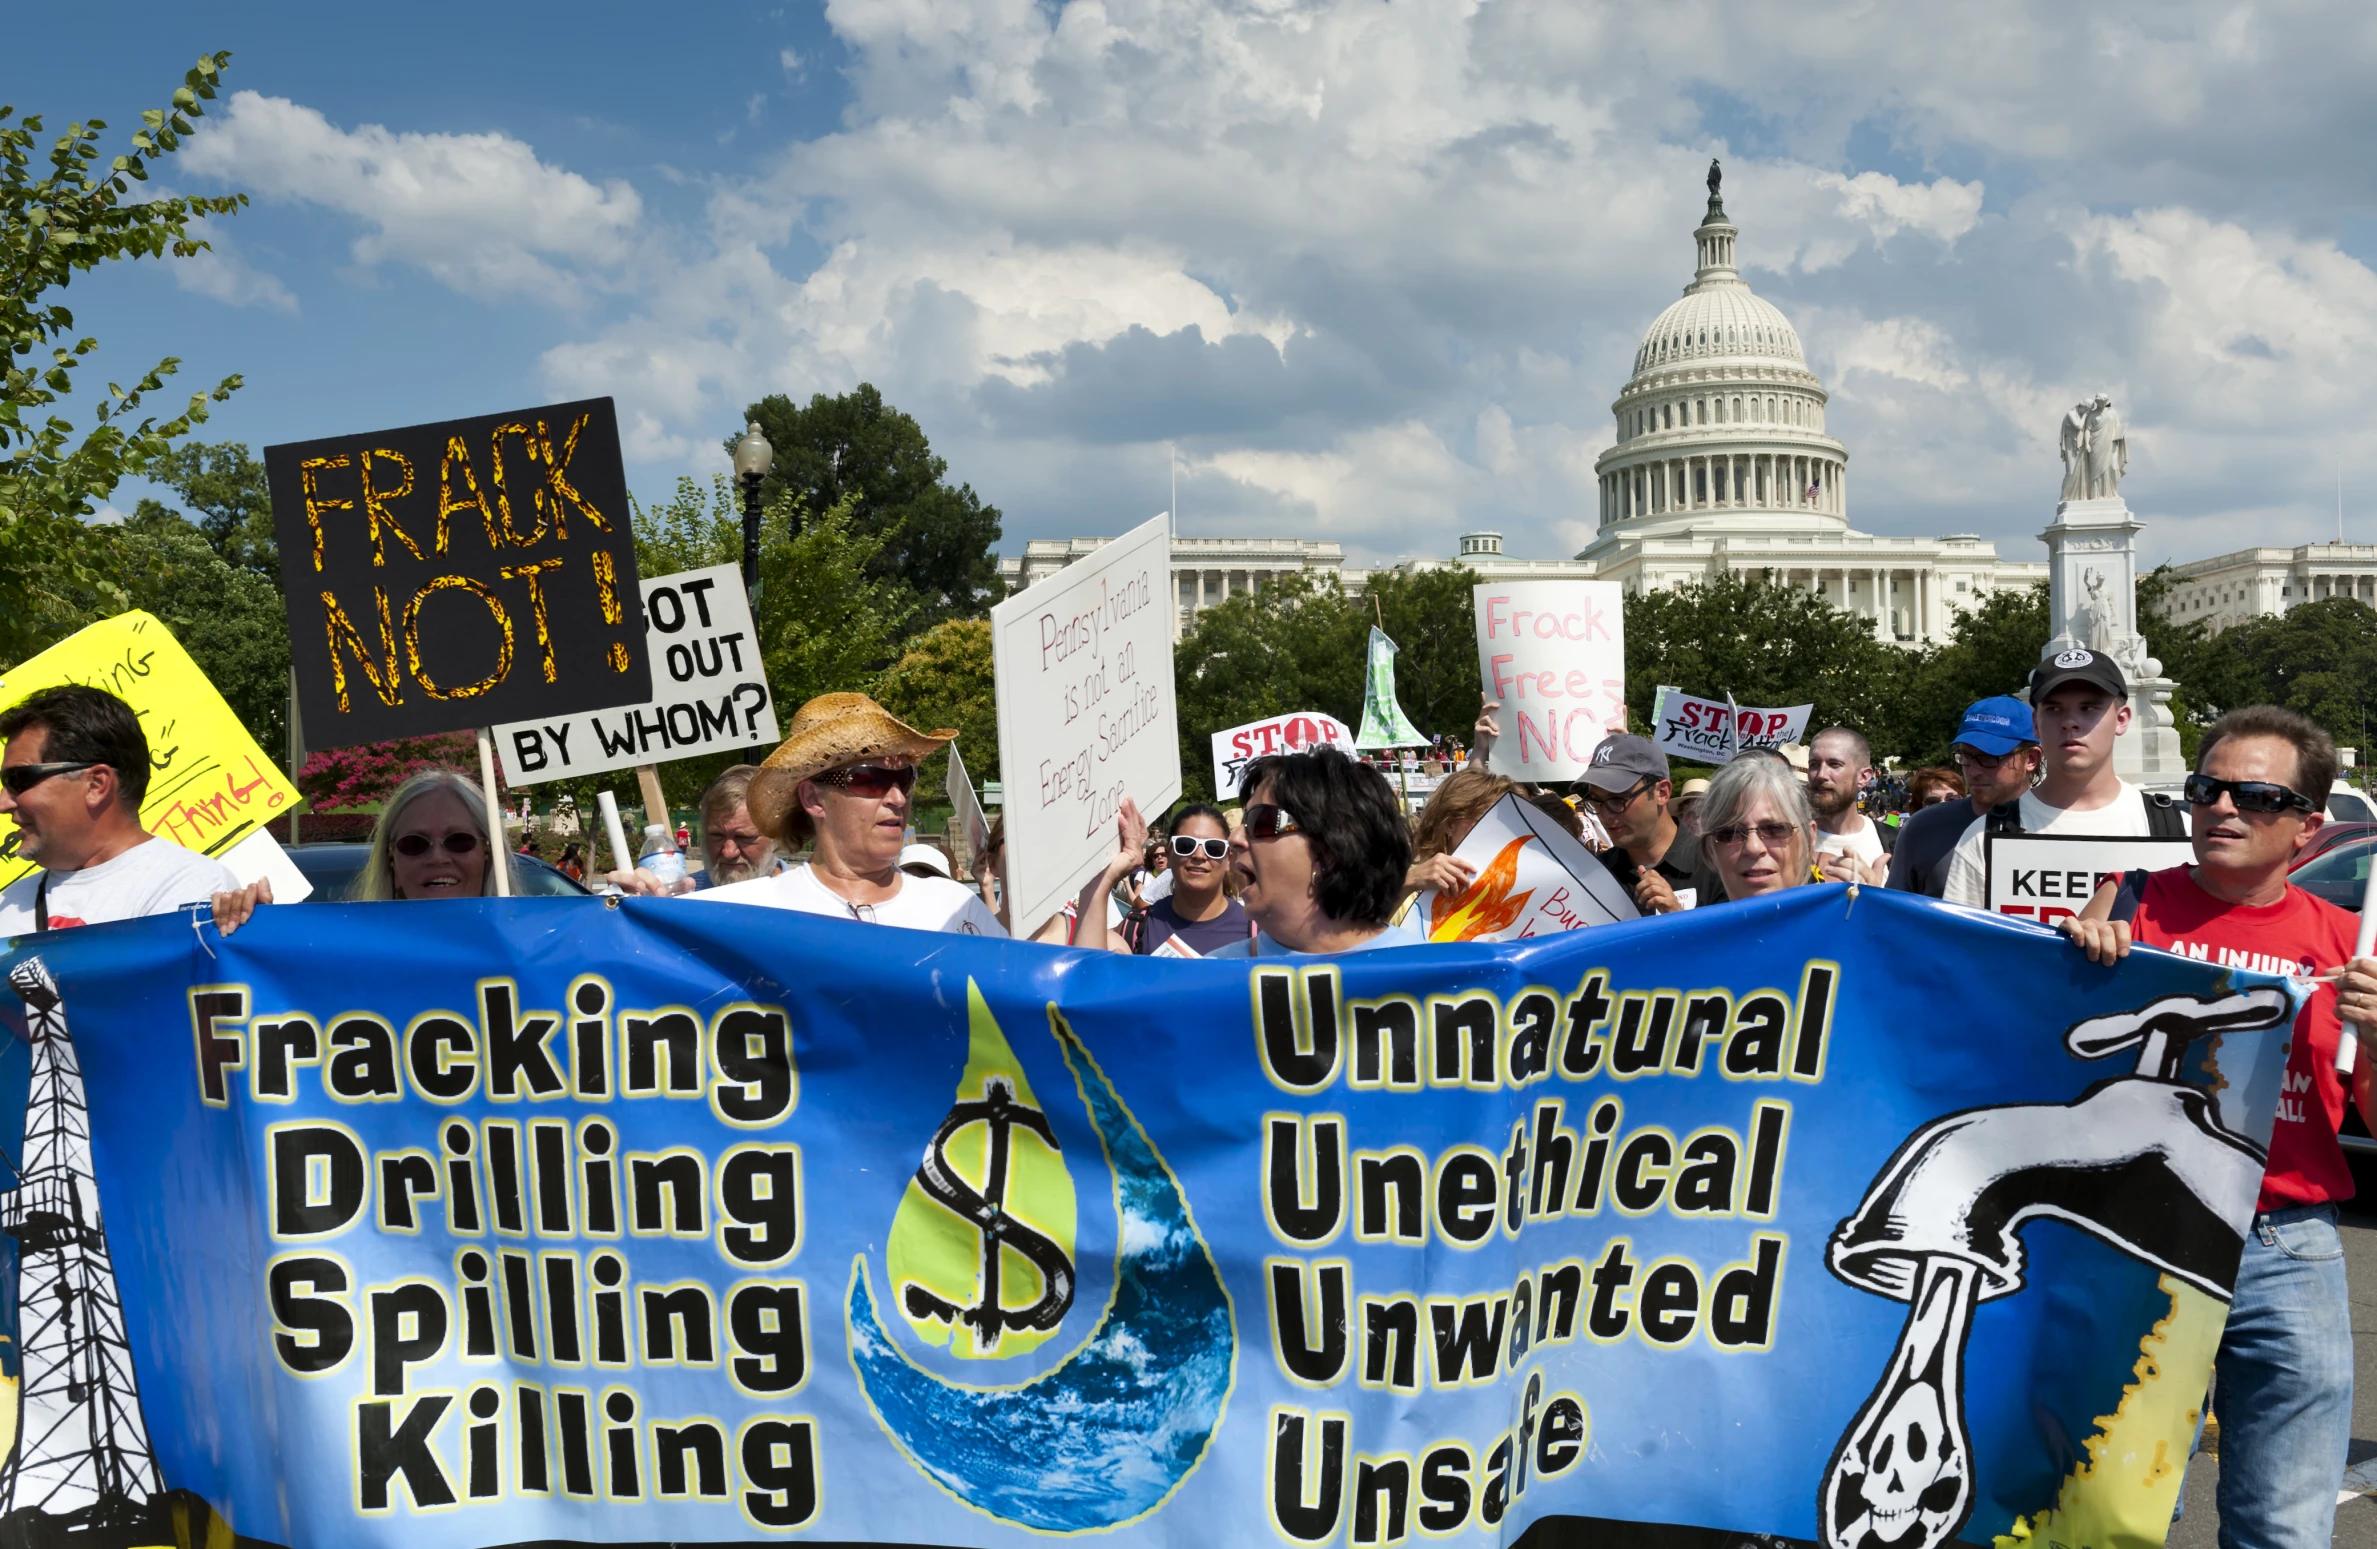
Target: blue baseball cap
[(1997, 726)]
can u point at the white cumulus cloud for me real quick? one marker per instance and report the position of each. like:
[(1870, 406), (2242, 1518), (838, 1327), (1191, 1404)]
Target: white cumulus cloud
[(480, 212)]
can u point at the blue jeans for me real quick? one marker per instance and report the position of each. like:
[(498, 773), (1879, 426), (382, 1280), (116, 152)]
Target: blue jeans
[(2282, 1385)]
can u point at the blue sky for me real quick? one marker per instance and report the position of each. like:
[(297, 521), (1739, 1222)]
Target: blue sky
[(1377, 270)]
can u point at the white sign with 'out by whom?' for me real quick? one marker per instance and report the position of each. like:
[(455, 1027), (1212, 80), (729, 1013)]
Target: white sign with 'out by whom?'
[(1083, 661), (1552, 656), (710, 692)]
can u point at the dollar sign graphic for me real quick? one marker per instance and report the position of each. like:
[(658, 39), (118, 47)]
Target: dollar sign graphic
[(985, 1210)]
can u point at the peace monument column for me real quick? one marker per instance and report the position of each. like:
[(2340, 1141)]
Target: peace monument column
[(2092, 584)]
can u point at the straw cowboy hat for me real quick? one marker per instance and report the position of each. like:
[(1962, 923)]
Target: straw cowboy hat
[(828, 732)]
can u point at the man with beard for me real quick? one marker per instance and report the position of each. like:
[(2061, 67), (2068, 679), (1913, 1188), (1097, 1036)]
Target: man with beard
[(733, 848), (1850, 847)]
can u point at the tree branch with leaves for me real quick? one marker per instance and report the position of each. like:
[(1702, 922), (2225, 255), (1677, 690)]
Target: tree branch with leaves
[(62, 214)]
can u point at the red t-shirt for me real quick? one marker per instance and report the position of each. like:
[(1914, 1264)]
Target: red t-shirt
[(2298, 936)]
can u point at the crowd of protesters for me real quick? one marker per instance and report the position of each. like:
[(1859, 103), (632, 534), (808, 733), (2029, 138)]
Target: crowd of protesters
[(1320, 856)]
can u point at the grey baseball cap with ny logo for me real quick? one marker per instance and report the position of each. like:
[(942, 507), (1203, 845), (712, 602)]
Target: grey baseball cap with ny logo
[(1623, 761)]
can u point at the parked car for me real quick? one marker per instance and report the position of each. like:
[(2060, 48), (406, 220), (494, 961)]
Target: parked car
[(332, 869), (2339, 872), (2331, 834)]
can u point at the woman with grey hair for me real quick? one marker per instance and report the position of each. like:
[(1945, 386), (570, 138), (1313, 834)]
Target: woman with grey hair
[(1757, 828), (430, 842)]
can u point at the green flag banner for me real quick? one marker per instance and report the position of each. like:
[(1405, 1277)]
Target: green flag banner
[(1384, 725)]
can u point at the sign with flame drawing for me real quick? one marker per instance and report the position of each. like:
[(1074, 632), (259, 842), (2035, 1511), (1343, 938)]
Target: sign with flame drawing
[(1533, 879)]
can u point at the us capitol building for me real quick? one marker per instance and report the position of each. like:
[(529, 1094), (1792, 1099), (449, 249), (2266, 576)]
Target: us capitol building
[(1722, 465)]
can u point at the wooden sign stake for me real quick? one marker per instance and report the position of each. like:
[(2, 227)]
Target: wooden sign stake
[(499, 839), (656, 804)]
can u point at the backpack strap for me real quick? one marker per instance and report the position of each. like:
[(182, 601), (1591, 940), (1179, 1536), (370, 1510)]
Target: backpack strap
[(2131, 894), (2165, 817)]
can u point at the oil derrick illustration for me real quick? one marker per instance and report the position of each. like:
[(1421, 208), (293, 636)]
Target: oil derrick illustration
[(82, 1471)]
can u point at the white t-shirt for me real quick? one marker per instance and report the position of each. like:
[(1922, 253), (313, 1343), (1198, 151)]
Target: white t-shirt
[(922, 903), (1863, 846), (2122, 818), (155, 876), (1160, 886)]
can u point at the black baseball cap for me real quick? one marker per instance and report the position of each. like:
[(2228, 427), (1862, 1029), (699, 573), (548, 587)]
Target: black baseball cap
[(1622, 762), (2077, 665)]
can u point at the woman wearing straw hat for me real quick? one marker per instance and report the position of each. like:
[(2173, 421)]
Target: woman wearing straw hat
[(842, 779)]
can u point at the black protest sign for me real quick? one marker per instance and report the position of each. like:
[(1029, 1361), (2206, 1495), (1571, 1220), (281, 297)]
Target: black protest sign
[(440, 577)]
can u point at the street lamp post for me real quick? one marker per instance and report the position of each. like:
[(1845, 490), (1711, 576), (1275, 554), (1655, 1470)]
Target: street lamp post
[(753, 458)]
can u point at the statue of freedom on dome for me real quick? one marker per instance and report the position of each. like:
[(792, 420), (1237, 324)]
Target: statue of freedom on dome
[(1716, 175)]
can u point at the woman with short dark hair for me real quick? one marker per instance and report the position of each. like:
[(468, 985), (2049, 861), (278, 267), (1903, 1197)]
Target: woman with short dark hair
[(1320, 857)]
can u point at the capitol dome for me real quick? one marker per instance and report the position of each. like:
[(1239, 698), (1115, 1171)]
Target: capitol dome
[(1721, 425)]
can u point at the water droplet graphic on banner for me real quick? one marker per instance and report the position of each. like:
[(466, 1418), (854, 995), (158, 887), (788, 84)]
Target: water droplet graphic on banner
[(981, 1249), (1110, 1432)]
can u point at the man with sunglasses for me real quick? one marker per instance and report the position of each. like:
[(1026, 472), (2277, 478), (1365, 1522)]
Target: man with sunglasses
[(2079, 706), (73, 774), (1997, 751), (842, 779), (2282, 1383), (1653, 857)]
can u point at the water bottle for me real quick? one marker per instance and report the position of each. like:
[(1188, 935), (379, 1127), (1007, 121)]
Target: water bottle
[(661, 856)]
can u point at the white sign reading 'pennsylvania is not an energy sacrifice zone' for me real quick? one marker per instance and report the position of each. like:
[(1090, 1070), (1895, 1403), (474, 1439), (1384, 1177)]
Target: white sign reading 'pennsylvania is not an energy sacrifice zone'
[(1083, 662), (709, 690), (1552, 655)]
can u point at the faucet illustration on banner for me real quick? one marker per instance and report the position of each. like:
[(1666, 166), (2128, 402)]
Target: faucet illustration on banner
[(2141, 1161)]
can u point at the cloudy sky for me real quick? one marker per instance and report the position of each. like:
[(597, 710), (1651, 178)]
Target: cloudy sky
[(1376, 269)]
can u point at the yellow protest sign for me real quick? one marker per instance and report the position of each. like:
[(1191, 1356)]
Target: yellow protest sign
[(210, 786)]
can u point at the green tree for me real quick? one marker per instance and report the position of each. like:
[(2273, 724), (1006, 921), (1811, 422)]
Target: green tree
[(2317, 658), (1990, 650), (227, 489), (944, 679), (1766, 645), (1297, 644), (56, 221), (937, 542), (228, 617)]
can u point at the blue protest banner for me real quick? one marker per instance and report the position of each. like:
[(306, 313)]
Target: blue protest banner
[(1845, 1218)]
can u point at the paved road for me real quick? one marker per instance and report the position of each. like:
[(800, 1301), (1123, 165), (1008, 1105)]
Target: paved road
[(2356, 1520)]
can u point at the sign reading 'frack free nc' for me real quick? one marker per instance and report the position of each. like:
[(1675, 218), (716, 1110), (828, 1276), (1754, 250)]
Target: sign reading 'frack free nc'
[(459, 574)]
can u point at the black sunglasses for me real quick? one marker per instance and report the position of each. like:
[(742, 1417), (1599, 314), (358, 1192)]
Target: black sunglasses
[(2249, 795), (1264, 820), (871, 781), (24, 777), (1186, 845), (417, 845)]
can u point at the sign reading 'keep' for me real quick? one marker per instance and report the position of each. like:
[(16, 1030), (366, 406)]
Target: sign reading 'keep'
[(456, 575)]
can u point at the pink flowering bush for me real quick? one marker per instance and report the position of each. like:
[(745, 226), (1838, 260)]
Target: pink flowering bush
[(370, 771)]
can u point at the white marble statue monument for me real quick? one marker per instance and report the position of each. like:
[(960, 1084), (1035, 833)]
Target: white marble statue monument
[(2092, 584)]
